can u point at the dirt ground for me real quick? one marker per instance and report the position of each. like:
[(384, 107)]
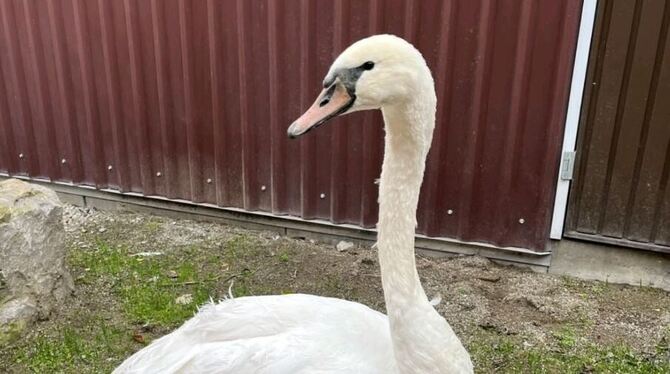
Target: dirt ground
[(139, 276)]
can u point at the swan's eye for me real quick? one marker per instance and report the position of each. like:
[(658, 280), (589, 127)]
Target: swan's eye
[(368, 65)]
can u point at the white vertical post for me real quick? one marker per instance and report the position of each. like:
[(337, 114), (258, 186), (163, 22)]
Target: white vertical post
[(574, 108)]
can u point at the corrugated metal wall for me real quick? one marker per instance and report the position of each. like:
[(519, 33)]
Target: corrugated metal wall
[(191, 99), (621, 192)]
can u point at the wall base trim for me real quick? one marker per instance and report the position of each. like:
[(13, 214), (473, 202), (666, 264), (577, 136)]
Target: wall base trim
[(320, 230)]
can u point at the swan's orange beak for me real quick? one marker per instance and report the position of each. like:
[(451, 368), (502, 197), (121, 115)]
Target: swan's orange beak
[(331, 102)]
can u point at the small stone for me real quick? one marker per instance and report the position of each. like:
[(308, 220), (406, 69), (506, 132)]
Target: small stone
[(488, 326), (184, 299), (102, 229), (489, 278), (147, 327), (138, 337), (172, 274), (344, 246)]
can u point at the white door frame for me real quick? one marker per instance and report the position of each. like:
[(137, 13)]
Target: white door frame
[(574, 108)]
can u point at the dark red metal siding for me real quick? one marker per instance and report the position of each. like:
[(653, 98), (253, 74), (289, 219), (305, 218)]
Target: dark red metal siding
[(191, 99)]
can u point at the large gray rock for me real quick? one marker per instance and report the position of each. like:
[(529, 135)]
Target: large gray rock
[(32, 256)]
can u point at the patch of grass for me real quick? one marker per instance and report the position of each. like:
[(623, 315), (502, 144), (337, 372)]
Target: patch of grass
[(505, 354), (332, 283), (157, 306), (566, 338), (5, 214), (187, 272), (69, 349), (599, 288), (571, 283), (147, 293), (103, 260), (284, 257), (586, 290), (152, 226), (242, 253), (238, 247), (49, 355), (242, 284)]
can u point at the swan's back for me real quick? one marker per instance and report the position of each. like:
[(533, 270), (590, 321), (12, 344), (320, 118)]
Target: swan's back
[(273, 334)]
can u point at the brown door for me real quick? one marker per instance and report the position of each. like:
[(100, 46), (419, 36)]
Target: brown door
[(620, 192)]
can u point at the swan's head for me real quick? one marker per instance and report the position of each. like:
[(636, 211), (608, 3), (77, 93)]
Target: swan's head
[(375, 72)]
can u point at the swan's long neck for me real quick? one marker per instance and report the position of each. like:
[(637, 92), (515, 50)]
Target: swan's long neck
[(402, 173), (422, 340)]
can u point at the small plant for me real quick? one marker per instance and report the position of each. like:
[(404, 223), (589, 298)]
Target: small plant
[(237, 247), (566, 338), (152, 226)]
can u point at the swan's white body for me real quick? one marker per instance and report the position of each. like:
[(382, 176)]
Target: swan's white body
[(311, 334), (274, 334)]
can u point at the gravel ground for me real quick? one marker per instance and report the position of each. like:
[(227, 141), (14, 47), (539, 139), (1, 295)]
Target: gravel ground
[(503, 314)]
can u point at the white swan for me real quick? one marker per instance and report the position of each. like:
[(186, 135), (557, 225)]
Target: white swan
[(311, 334)]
